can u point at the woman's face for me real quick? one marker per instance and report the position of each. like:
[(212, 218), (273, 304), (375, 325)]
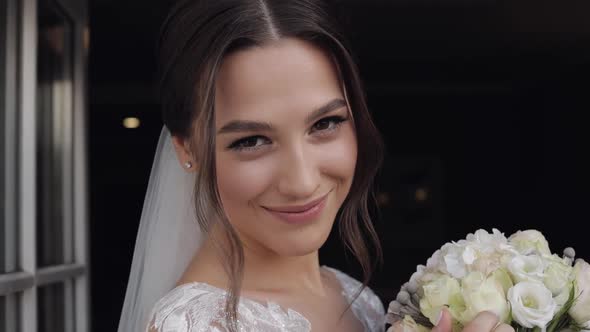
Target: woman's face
[(286, 147)]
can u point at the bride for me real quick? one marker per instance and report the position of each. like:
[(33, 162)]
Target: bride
[(267, 145)]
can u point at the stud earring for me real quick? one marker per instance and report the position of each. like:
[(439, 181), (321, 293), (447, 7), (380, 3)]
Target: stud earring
[(188, 164)]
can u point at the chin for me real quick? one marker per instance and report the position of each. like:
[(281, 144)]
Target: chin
[(298, 249), (301, 243)]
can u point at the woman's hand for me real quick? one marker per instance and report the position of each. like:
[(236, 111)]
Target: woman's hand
[(483, 322)]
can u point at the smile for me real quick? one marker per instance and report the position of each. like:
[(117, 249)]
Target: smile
[(300, 213)]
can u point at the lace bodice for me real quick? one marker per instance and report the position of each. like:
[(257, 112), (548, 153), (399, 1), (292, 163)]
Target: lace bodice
[(198, 307)]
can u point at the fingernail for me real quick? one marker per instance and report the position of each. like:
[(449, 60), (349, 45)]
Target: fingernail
[(440, 314)]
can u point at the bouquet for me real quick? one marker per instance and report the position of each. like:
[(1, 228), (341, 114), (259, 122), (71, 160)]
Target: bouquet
[(517, 278)]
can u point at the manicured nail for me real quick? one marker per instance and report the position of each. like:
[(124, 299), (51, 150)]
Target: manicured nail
[(440, 314)]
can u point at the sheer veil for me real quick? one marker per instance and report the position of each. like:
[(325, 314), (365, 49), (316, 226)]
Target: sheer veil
[(167, 238)]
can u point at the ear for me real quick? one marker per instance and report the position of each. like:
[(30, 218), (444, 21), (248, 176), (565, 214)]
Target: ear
[(183, 153)]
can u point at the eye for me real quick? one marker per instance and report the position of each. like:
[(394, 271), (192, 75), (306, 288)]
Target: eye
[(329, 124), (249, 143)]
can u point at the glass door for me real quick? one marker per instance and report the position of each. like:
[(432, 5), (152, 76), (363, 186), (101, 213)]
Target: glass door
[(43, 192)]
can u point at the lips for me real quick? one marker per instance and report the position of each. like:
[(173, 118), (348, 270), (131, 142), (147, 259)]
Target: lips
[(297, 208), (299, 214)]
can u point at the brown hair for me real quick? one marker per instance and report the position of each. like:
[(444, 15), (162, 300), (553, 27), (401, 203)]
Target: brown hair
[(195, 37)]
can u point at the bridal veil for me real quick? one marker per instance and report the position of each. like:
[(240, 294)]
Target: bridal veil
[(167, 238)]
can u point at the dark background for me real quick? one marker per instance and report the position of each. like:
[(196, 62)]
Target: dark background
[(482, 105)]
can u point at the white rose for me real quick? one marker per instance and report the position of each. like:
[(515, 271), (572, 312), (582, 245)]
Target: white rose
[(526, 268), (558, 278), (532, 304), (482, 293), (439, 292), (558, 275), (530, 242), (580, 311)]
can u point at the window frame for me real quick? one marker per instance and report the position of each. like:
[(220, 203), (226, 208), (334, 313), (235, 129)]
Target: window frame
[(19, 287)]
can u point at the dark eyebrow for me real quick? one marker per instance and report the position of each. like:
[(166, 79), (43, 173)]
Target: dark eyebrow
[(237, 126), (249, 126), (329, 107)]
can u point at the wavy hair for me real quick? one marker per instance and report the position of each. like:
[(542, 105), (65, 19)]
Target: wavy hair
[(194, 39)]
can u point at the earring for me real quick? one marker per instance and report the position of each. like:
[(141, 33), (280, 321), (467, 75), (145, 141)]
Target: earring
[(188, 164)]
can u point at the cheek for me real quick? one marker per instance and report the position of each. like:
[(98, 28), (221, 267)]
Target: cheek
[(338, 158), (240, 182)]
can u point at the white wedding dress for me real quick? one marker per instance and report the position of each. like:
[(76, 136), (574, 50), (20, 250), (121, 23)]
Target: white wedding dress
[(199, 307)]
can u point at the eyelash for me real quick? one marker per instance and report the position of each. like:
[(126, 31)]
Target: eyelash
[(336, 120)]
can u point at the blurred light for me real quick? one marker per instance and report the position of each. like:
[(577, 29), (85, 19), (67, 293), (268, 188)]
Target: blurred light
[(86, 39), (131, 123), (421, 194)]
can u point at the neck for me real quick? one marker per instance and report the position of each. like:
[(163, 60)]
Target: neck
[(276, 273), (264, 271)]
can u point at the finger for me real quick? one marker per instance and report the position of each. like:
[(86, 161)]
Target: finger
[(484, 321), (444, 323), (504, 328)]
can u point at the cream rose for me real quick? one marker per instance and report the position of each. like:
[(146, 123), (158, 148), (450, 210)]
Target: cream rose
[(558, 278), (439, 292), (481, 293), (527, 268), (529, 242), (580, 311)]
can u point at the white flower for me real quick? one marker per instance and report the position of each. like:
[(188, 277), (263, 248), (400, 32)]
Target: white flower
[(469, 255), (490, 263), (422, 276), (482, 293), (526, 268), (530, 242), (558, 277), (532, 304), (434, 262), (482, 251), (487, 243), (456, 260), (580, 311), (407, 325), (439, 292)]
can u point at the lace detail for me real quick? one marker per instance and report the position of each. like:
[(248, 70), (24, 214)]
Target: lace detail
[(368, 308), (197, 307)]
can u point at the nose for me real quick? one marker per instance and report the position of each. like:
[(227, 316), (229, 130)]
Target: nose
[(299, 177)]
